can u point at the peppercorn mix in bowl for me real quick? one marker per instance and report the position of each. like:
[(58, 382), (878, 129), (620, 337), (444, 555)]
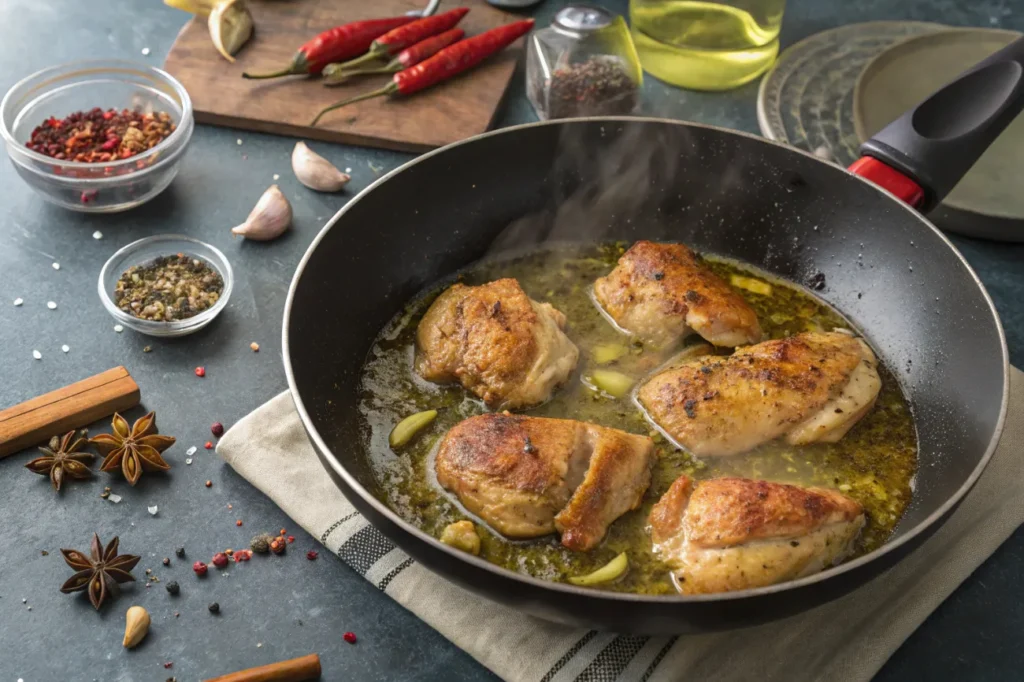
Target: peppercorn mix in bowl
[(97, 136), (166, 285)]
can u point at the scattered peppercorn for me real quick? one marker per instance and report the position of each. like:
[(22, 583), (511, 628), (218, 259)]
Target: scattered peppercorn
[(167, 561), (180, 552), (106, 492), (229, 551), (98, 136), (349, 637), (148, 571), (168, 664), (312, 555), (173, 588), (284, 532), (44, 552), (214, 608), (238, 522), (261, 543), (220, 559), (200, 568), (208, 445), (147, 349), (291, 539), (242, 555), (209, 484), (255, 347), (278, 546), (217, 429), (200, 371)]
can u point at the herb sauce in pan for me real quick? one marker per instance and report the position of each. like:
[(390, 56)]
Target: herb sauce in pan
[(874, 463)]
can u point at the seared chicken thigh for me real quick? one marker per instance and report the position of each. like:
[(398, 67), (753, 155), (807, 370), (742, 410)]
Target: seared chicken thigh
[(810, 387), (497, 342), (663, 292), (528, 476), (735, 533)]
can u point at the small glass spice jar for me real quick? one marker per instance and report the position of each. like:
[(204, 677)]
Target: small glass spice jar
[(584, 64)]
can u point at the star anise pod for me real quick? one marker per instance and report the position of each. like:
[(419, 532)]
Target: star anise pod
[(134, 449), (99, 572), (63, 457)]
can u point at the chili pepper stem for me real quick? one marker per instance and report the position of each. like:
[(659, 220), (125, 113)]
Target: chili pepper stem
[(342, 76), (292, 70), (370, 56), (388, 89)]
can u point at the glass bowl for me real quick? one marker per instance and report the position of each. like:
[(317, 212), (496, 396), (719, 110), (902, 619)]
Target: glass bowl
[(103, 187), (147, 249)]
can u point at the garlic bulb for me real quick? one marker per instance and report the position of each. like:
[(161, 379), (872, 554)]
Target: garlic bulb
[(268, 219), (316, 172), (230, 26), (136, 626)]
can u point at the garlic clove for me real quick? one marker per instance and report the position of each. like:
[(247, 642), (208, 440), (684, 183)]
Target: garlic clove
[(316, 172), (271, 216), (231, 26), (136, 626)]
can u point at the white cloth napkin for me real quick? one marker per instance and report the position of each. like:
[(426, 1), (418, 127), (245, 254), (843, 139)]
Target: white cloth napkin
[(848, 639)]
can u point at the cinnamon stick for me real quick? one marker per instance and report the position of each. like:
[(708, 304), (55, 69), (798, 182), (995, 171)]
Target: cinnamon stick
[(83, 402), (293, 670)]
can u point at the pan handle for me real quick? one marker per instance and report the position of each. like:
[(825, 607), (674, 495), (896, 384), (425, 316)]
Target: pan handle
[(924, 153)]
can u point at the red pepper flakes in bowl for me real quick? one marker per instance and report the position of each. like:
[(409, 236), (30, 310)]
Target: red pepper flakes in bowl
[(98, 136)]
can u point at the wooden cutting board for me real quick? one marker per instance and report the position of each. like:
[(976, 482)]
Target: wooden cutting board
[(449, 112)]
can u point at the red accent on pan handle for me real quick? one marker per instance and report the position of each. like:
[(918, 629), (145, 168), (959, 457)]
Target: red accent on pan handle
[(888, 178)]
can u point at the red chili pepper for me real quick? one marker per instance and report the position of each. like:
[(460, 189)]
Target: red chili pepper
[(410, 34), (406, 58), (336, 45), (449, 62)]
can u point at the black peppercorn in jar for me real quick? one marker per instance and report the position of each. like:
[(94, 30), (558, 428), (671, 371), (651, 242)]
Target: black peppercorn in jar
[(584, 64)]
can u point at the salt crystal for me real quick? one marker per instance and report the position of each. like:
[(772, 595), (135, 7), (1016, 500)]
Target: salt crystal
[(97, 235), (191, 451), (56, 266), (114, 498), (118, 328), (145, 51), (37, 355), (259, 645), (348, 170), (153, 510), (65, 348), (238, 141), (19, 301), (51, 305), (188, 460), (276, 176)]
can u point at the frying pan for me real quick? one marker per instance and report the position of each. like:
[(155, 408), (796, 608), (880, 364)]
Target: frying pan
[(863, 249)]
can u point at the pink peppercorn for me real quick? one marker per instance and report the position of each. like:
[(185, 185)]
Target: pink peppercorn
[(291, 539), (217, 429), (242, 555), (200, 568), (349, 637), (208, 445), (220, 559), (200, 371), (312, 555)]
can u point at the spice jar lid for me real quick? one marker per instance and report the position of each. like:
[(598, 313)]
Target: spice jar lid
[(583, 18)]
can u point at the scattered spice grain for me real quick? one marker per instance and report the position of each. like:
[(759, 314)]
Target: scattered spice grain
[(180, 552), (312, 555), (214, 608), (349, 637), (217, 429), (200, 568), (173, 588), (200, 371), (220, 559)]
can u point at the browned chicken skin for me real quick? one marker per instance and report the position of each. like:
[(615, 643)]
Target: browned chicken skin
[(497, 342), (663, 292), (810, 387), (729, 534), (530, 476)]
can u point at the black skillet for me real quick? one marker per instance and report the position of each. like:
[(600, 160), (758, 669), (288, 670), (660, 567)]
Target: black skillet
[(877, 260)]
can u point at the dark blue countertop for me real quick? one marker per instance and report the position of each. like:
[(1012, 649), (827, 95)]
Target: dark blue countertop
[(277, 609)]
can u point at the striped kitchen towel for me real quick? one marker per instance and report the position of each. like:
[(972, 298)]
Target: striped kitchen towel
[(848, 639)]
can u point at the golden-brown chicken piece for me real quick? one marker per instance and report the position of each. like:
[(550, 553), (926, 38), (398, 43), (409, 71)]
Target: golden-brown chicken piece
[(663, 292), (497, 342), (528, 476), (735, 533), (809, 387)]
